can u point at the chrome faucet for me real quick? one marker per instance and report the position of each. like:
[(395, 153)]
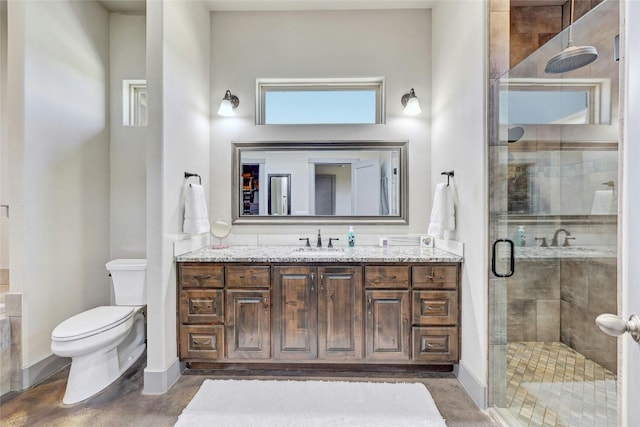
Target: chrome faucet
[(554, 241), (319, 242)]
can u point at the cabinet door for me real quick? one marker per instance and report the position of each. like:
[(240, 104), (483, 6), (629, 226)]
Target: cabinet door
[(340, 324), (387, 325), (295, 313), (247, 326)]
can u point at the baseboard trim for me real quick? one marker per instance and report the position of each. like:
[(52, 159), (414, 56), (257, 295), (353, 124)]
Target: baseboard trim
[(159, 382), (40, 371), (475, 388)]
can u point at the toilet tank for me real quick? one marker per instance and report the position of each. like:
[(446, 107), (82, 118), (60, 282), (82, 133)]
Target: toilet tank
[(128, 276)]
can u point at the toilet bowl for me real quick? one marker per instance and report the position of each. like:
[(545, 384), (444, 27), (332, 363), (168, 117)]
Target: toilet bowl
[(105, 341)]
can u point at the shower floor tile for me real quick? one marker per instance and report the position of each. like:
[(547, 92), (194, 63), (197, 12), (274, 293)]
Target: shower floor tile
[(550, 384)]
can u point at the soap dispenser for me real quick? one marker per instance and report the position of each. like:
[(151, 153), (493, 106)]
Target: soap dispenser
[(521, 239), (351, 237)]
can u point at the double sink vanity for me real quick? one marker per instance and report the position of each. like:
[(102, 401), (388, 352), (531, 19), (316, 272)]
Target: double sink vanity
[(395, 305)]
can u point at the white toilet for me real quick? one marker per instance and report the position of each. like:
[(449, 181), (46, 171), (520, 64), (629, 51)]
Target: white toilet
[(104, 342)]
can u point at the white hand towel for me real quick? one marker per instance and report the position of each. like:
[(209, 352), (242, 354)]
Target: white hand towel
[(196, 218), (443, 212)]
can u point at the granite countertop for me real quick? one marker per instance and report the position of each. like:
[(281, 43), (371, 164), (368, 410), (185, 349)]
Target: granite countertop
[(335, 255), (565, 252)]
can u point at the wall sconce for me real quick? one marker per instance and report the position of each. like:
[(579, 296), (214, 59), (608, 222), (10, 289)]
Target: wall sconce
[(411, 104), (228, 104)]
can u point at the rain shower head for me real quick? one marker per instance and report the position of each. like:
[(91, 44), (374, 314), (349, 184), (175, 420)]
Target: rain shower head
[(572, 57), (514, 134)]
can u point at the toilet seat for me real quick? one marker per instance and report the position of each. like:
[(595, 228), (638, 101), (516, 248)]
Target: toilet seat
[(91, 322)]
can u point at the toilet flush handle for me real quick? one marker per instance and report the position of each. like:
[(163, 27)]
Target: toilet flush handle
[(612, 325)]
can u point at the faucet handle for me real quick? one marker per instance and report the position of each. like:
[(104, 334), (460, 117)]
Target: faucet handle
[(566, 240), (307, 239), (544, 241), (330, 245)]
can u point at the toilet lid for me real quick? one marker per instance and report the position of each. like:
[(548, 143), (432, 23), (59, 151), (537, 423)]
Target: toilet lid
[(91, 322)]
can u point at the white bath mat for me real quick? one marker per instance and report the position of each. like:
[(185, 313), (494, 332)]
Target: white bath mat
[(230, 403)]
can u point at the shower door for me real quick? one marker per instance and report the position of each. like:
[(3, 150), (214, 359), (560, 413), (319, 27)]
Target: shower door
[(553, 212)]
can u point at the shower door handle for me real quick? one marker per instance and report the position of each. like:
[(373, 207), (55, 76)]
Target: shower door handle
[(512, 261)]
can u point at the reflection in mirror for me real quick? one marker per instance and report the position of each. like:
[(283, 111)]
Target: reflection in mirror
[(327, 182), (580, 101), (279, 194), (563, 182)]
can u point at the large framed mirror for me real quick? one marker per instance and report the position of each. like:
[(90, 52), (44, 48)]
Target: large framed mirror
[(321, 182)]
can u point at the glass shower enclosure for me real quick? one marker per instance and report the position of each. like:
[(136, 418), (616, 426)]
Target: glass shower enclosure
[(553, 213)]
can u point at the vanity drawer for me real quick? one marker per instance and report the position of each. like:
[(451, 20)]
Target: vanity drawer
[(203, 342), (387, 277), (435, 308), (201, 275), (202, 306), (244, 276), (435, 345), (435, 277)]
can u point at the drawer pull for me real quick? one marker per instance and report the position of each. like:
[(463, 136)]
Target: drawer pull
[(432, 278), (430, 345), (202, 277), (265, 304), (206, 342), (369, 302), (313, 281), (242, 276), (431, 308), (196, 305)]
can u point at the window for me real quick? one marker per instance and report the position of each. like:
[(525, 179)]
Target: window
[(134, 105), (555, 101), (326, 101)]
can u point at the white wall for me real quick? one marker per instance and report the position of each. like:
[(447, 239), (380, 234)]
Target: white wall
[(178, 45), (395, 44), (127, 59), (459, 143), (4, 147), (59, 156)]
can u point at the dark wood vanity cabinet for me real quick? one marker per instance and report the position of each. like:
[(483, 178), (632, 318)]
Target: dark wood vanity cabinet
[(364, 313), (317, 313), (435, 319), (388, 311)]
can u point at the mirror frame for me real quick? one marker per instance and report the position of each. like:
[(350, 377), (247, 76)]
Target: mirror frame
[(239, 147)]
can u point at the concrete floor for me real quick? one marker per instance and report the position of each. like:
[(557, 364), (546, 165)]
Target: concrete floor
[(123, 404)]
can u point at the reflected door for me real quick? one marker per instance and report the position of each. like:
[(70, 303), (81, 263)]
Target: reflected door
[(325, 194), (366, 187)]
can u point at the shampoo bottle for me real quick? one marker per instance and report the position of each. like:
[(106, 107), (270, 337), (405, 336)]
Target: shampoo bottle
[(521, 239), (351, 238)]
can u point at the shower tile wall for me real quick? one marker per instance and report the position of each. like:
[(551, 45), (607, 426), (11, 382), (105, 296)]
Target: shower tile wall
[(588, 289), (558, 300)]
